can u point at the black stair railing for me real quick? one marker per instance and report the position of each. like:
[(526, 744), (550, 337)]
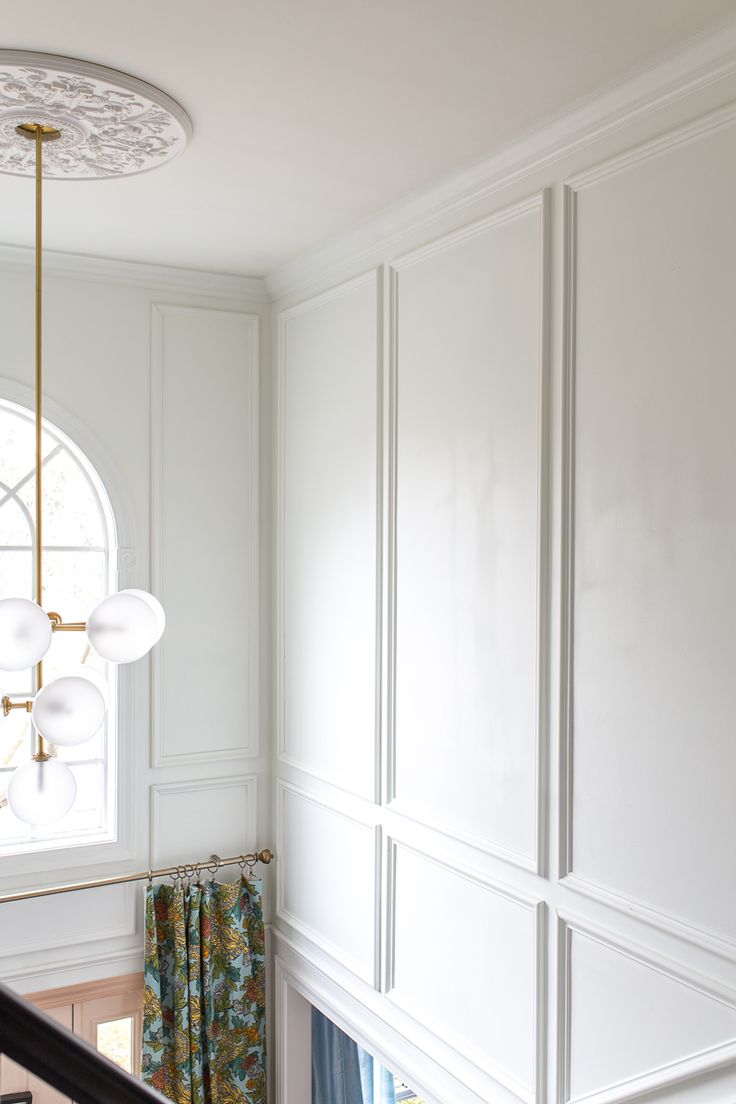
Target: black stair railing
[(62, 1059)]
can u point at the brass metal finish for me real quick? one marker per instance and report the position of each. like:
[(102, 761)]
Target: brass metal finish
[(8, 705), (33, 131), (185, 870), (58, 624), (40, 133), (37, 130)]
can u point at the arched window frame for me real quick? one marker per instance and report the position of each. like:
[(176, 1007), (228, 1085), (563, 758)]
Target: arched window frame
[(107, 841)]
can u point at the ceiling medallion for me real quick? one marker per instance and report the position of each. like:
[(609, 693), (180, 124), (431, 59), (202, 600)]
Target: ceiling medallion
[(111, 124)]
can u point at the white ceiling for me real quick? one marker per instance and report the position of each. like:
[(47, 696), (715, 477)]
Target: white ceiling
[(310, 115)]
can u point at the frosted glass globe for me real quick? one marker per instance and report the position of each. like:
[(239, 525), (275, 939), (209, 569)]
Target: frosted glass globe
[(25, 634), (40, 793), (81, 670), (122, 628), (68, 710), (155, 606)]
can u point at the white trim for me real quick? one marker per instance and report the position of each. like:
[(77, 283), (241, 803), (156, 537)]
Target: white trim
[(709, 123), (157, 278), (708, 58), (435, 1071), (129, 960), (704, 938)]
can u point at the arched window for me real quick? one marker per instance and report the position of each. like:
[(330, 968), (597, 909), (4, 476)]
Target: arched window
[(78, 570)]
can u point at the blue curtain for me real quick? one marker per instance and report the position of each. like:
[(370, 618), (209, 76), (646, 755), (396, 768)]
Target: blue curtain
[(344, 1073)]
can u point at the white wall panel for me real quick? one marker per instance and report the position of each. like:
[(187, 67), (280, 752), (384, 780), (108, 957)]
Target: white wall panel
[(639, 997), (193, 820), (469, 365), (327, 876), (485, 1001), (636, 1024), (205, 526), (108, 913), (328, 405), (654, 598)]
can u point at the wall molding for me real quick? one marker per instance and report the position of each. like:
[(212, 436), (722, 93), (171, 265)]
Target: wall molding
[(704, 938), (87, 990), (380, 1031), (163, 278), (368, 973), (667, 1076), (709, 123), (248, 782), (673, 138), (707, 59), (121, 925), (373, 279), (127, 959), (533, 1094), (538, 203), (160, 757)]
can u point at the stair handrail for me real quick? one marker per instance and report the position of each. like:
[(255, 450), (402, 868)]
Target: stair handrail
[(69, 1064)]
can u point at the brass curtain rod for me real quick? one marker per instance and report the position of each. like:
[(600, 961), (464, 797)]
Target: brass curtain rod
[(183, 870)]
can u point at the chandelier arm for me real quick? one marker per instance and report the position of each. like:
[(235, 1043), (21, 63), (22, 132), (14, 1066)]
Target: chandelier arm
[(8, 704)]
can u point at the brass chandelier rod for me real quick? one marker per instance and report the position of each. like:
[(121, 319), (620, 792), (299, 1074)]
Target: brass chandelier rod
[(39, 134), (39, 374)]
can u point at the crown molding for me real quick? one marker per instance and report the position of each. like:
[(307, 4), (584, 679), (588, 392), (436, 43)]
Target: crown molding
[(160, 278), (709, 57)]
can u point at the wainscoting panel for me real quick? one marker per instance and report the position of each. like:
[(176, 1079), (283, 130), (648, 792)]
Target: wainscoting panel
[(204, 463), (552, 424), (193, 820), (636, 1022), (328, 505), (327, 878), (470, 353), (436, 908), (91, 915), (651, 755)]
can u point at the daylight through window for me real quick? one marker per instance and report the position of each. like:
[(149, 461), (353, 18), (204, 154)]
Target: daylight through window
[(78, 565)]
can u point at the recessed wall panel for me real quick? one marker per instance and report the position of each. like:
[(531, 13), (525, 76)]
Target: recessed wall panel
[(654, 592), (631, 1019), (193, 820), (204, 443), (79, 919), (483, 1003), (469, 360), (328, 407), (326, 869)]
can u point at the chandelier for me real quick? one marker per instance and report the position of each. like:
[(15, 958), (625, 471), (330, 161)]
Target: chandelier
[(123, 627)]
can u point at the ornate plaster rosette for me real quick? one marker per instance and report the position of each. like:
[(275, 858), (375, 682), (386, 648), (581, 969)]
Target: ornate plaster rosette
[(111, 124)]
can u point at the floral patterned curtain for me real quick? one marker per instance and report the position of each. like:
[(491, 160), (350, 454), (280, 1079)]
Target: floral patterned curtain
[(204, 1034)]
